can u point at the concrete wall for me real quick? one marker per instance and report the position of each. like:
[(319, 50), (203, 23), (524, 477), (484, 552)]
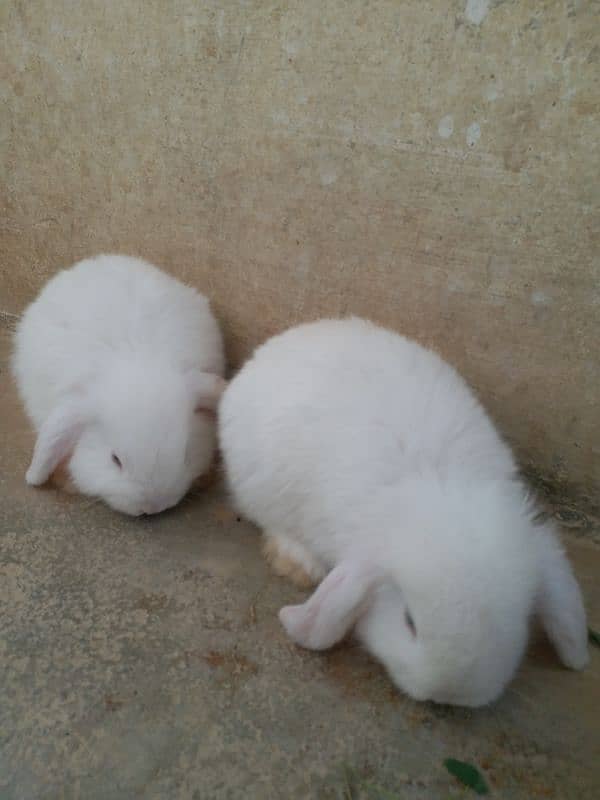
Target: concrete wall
[(432, 165)]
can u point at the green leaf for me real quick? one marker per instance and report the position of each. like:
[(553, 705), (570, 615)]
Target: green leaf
[(594, 637), (467, 774)]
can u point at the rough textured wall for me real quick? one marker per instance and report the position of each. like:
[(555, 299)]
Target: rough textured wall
[(432, 165)]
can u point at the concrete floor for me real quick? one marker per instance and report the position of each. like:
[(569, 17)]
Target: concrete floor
[(143, 658)]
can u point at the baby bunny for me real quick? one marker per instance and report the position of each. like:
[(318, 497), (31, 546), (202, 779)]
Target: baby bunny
[(372, 467), (120, 368)]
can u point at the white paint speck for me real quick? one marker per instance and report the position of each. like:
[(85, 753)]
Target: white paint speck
[(539, 298), (291, 47), (328, 176), (280, 118), (491, 92), (446, 126), (476, 10), (473, 134), (220, 23)]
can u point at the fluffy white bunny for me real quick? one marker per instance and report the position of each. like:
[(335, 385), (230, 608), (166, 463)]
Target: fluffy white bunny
[(372, 467), (120, 369)]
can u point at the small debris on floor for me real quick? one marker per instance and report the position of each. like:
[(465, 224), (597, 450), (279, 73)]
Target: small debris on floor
[(467, 774)]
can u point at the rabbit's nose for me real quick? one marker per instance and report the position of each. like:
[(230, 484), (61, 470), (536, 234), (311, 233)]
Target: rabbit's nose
[(155, 506)]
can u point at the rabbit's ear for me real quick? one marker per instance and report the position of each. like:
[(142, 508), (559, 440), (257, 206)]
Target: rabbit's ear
[(57, 437), (334, 607), (206, 389), (560, 605)]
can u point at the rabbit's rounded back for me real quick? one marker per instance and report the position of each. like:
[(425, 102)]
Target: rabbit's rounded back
[(104, 307), (373, 454), (337, 409), (117, 342)]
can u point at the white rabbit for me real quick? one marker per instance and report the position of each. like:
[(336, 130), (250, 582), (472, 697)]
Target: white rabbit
[(369, 464), (120, 370)]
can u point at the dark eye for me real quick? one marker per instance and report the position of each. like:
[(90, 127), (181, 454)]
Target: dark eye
[(410, 623), (117, 460)]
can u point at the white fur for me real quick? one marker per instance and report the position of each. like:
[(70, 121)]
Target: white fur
[(372, 457), (116, 357)]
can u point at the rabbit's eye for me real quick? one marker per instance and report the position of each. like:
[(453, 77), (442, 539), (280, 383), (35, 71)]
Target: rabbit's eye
[(116, 460), (410, 623)]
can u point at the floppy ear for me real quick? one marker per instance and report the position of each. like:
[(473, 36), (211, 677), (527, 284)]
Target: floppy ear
[(206, 389), (57, 437), (334, 607), (560, 604)]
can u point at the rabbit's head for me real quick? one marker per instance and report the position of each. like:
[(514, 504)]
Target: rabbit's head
[(449, 615), (137, 435)]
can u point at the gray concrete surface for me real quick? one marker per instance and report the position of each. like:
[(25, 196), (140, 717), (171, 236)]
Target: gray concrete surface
[(143, 659), (431, 164)]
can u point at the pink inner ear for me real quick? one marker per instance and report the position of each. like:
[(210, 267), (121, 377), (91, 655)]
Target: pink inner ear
[(332, 610), (56, 438), (301, 621), (61, 477)]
